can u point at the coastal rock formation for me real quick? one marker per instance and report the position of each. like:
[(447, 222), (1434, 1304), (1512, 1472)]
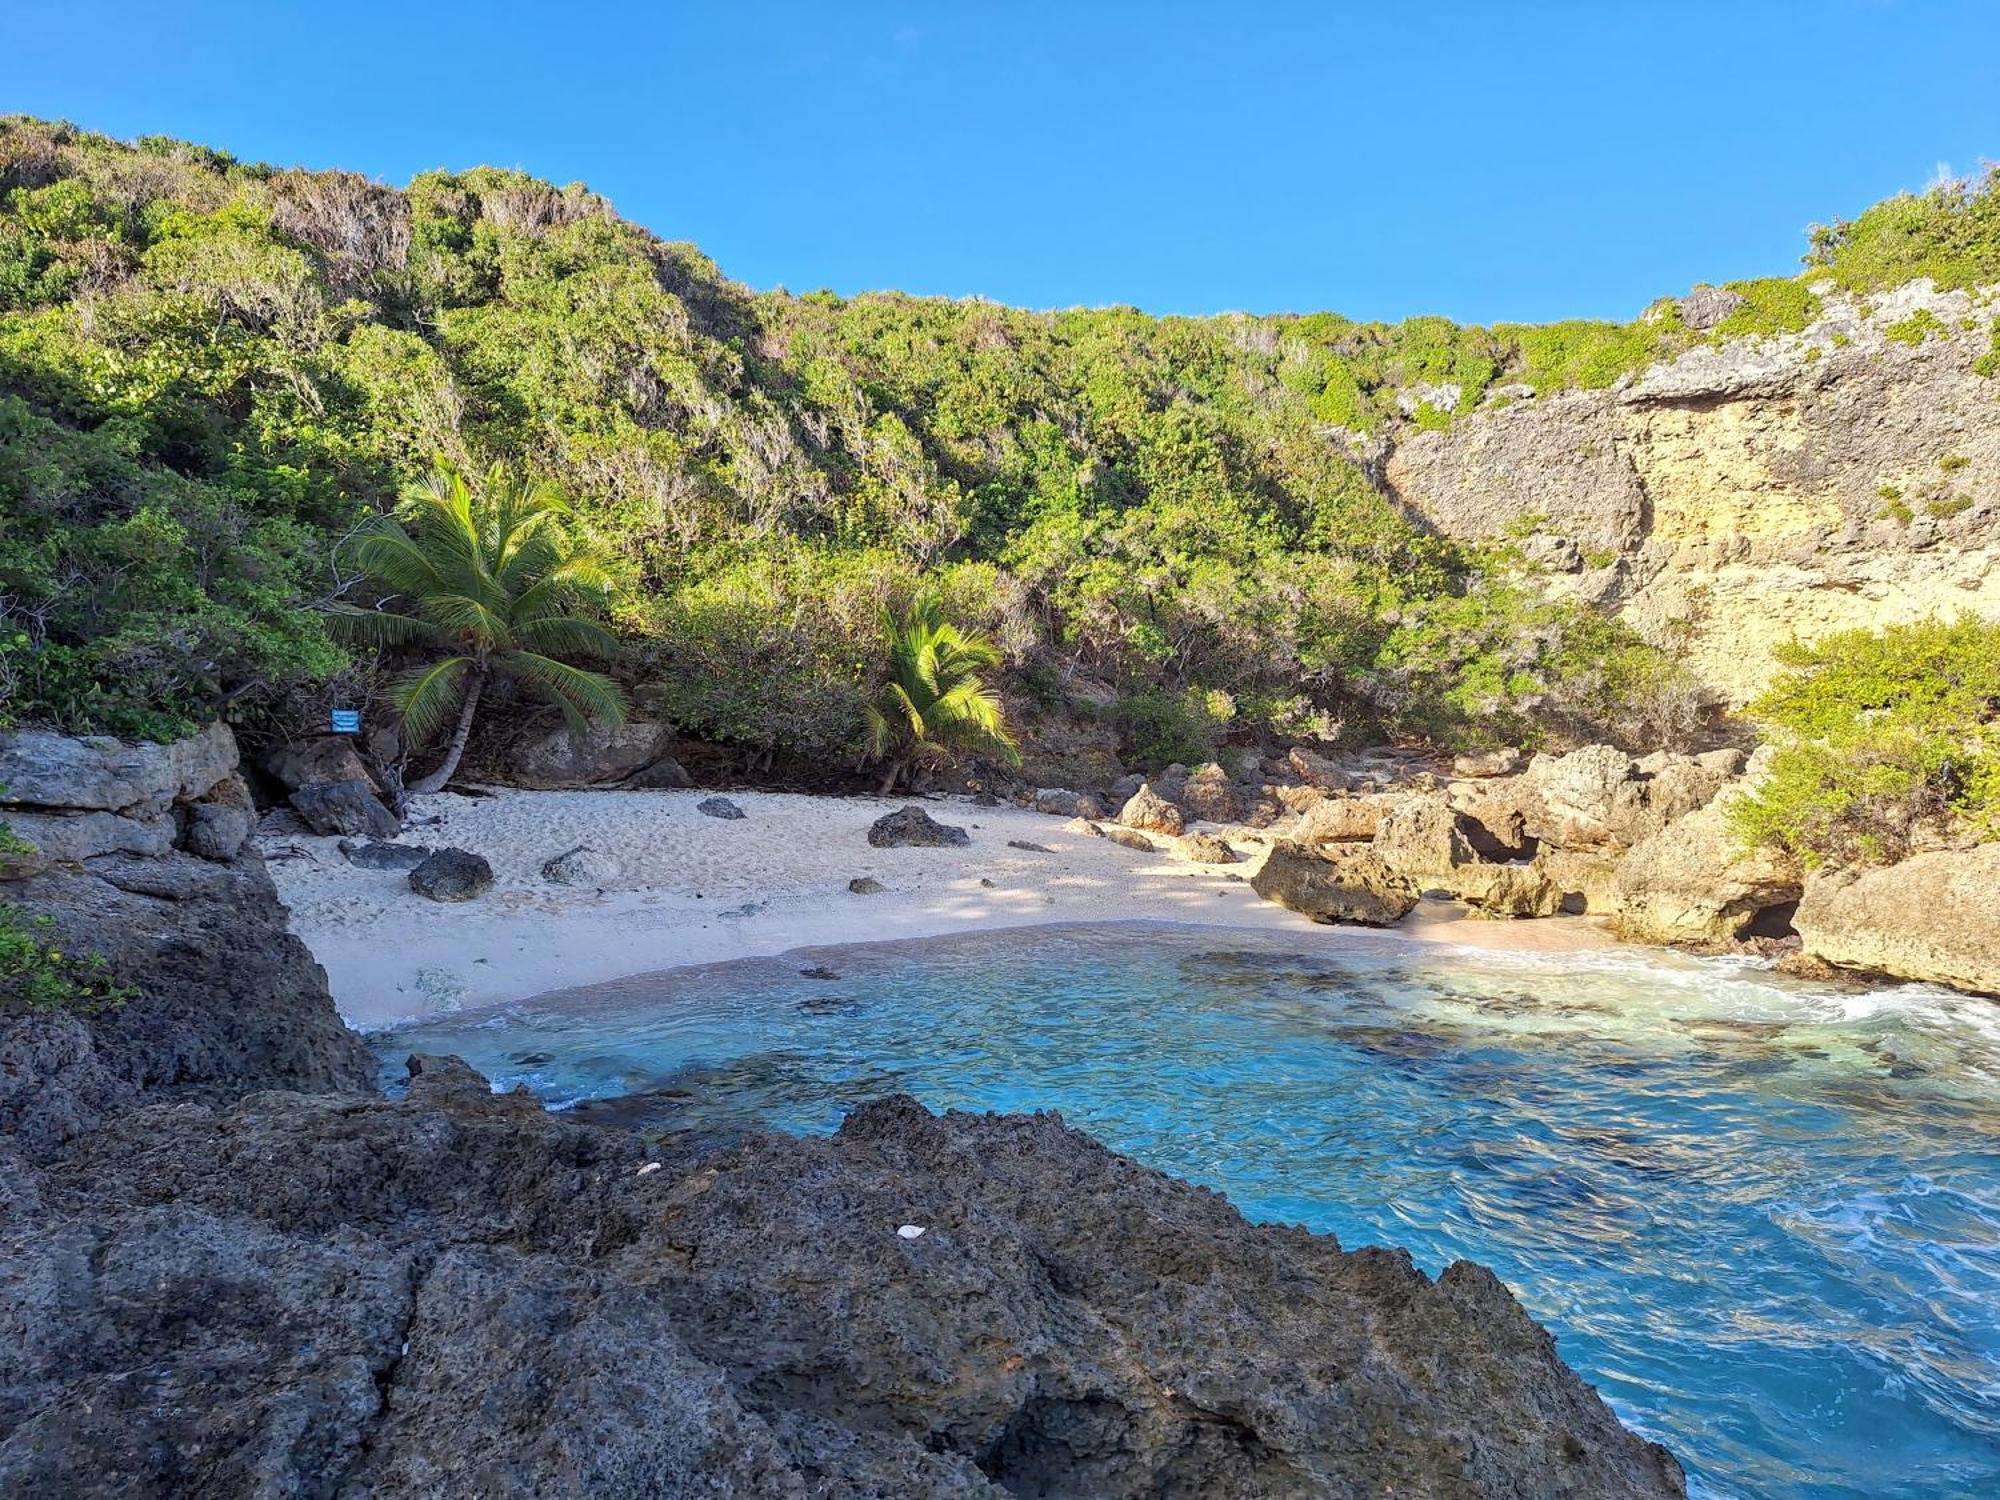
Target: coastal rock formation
[(718, 807), (1150, 811), (462, 1293), (1335, 883), (1060, 802), (78, 798), (912, 828), (1692, 882), (592, 756), (1931, 917), (1752, 491), (344, 807), (452, 875)]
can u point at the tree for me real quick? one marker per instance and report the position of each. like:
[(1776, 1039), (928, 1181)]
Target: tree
[(934, 700), (495, 578)]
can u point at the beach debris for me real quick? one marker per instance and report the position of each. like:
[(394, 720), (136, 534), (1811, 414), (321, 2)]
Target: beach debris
[(648, 1167), (573, 867), (1030, 846), (912, 827), (985, 882), (911, 1231), (377, 855), (719, 807), (866, 885), (452, 875)]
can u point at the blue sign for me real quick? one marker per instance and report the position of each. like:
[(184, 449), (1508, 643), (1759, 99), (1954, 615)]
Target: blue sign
[(347, 721)]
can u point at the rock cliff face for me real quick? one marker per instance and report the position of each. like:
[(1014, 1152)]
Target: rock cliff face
[(1842, 476)]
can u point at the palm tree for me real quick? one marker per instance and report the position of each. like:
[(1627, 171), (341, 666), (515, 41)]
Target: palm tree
[(494, 578), (934, 700)]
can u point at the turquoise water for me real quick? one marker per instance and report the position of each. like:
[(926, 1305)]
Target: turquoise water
[(1761, 1215)]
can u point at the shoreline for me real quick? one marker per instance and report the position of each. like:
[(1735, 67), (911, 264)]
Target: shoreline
[(675, 888)]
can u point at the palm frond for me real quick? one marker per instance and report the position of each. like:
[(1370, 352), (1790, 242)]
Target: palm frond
[(568, 634), (381, 627), (428, 696), (583, 696), (468, 618), (392, 557)]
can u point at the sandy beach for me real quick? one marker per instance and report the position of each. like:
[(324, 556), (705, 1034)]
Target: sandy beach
[(673, 886)]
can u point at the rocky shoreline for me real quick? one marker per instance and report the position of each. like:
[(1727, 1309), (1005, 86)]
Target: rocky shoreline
[(231, 1267)]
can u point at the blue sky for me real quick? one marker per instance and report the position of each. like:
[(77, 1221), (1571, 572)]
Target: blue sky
[(1486, 161)]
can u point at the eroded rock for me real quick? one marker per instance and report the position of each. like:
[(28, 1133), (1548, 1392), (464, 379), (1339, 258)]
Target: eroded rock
[(1931, 917), (452, 875), (910, 827), (1335, 883)]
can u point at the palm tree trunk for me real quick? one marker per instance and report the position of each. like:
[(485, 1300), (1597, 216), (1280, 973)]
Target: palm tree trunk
[(895, 775), (456, 751)]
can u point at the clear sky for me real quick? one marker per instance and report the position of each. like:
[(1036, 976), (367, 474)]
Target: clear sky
[(1482, 160)]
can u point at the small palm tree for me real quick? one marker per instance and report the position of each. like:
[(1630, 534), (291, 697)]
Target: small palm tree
[(934, 700), (494, 578)]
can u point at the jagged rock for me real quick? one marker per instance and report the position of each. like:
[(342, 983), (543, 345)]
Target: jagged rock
[(217, 830), (1586, 798), (1030, 847), (1421, 836), (1342, 819), (749, 1320), (1931, 917), (1335, 883), (719, 807), (663, 775), (1210, 796), (330, 758), (1485, 763), (1169, 784), (912, 827), (380, 856), (93, 773), (344, 807), (1204, 849), (1588, 881), (578, 866), (452, 875), (1692, 882), (67, 837), (1059, 802), (594, 756), (1150, 812), (1706, 306), (1509, 890), (1129, 838), (866, 885), (1315, 769)]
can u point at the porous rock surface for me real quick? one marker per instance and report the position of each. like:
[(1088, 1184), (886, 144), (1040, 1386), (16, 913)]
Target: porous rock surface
[(912, 827), (1335, 883), (1931, 917)]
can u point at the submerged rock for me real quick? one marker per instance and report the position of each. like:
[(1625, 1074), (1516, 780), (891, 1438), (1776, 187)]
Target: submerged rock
[(452, 875), (1335, 883), (913, 828)]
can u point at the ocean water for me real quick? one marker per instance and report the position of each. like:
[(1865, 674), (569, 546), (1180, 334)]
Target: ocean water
[(1761, 1215)]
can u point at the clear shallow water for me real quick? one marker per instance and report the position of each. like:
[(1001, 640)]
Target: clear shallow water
[(1761, 1215)]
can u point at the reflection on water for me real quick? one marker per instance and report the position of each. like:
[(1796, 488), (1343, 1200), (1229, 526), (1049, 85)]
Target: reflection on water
[(1761, 1215)]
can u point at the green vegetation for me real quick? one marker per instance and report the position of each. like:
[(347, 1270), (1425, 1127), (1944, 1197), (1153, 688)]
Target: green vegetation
[(934, 699), (1880, 735), (37, 975), (492, 579), (1945, 507), (215, 376), (1918, 326)]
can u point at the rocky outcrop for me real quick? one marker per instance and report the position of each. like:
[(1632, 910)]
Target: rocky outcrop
[(1150, 811), (912, 828), (459, 1293), (1932, 917), (76, 798), (719, 807), (1751, 492), (594, 756), (1335, 883), (1060, 802)]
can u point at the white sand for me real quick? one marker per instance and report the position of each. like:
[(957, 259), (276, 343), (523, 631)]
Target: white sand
[(678, 887)]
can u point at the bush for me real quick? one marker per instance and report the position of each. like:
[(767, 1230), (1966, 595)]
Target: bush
[(36, 975), (1880, 735)]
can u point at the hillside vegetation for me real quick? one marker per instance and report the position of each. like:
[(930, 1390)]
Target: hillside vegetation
[(212, 373)]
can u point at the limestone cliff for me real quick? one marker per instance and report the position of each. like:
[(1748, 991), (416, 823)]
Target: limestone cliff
[(1846, 475)]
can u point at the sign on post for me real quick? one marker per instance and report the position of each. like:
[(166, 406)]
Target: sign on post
[(347, 721)]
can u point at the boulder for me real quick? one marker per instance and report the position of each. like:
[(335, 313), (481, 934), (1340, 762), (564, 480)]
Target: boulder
[(1584, 799), (452, 875), (578, 866), (1345, 819), (1129, 838), (1205, 849), (1480, 764), (1420, 835), (330, 758), (1931, 917), (1121, 790), (1588, 881), (1084, 826), (664, 775), (65, 837), (1059, 802), (94, 773), (719, 807), (1509, 890), (593, 756), (1150, 812), (866, 885), (1693, 882), (217, 830), (1315, 769), (344, 807), (380, 856), (911, 827), (1029, 847), (1707, 306), (1211, 796), (1335, 883)]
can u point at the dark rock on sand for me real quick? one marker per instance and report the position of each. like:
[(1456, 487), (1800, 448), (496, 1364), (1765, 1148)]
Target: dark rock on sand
[(344, 807), (1030, 846), (866, 885), (375, 855), (912, 828), (452, 875), (719, 807)]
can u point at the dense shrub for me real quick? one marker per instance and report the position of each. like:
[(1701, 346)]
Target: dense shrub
[(1880, 735)]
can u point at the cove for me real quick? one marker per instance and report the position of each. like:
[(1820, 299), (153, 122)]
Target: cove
[(1762, 1215)]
